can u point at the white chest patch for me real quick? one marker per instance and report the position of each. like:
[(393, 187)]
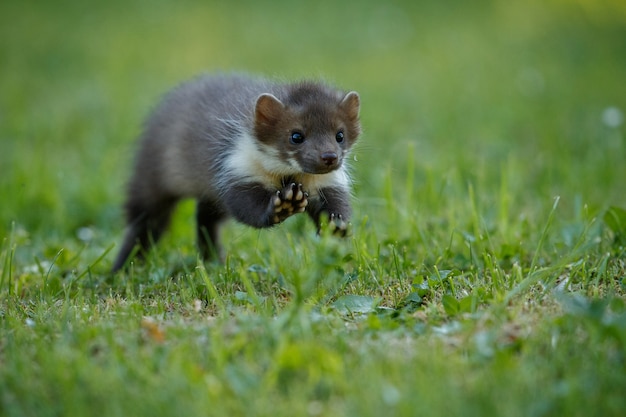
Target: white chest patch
[(252, 161)]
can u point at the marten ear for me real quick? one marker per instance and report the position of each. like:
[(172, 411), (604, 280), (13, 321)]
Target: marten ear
[(268, 109), (351, 104)]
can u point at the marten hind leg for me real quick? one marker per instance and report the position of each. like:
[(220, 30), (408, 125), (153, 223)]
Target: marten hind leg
[(146, 224), (208, 218)]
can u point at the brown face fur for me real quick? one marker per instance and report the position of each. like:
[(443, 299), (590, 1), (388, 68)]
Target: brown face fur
[(313, 128)]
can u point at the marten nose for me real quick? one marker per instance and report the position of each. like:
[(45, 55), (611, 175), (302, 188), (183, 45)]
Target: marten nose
[(329, 158)]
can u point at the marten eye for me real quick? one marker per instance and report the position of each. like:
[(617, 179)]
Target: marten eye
[(296, 138), (339, 137)]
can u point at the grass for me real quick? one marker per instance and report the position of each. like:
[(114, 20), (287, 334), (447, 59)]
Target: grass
[(485, 274)]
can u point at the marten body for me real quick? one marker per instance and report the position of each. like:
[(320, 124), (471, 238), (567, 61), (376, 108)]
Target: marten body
[(246, 148)]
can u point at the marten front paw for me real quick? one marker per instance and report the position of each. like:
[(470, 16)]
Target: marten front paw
[(338, 225), (288, 201)]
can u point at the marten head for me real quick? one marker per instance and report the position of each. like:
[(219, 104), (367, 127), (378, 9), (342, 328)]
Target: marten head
[(310, 129)]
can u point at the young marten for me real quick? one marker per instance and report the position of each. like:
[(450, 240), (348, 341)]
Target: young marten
[(248, 148)]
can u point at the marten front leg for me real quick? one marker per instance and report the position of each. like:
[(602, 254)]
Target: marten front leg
[(257, 206), (335, 203)]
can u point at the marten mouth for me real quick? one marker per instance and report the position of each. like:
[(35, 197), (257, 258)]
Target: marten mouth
[(321, 169)]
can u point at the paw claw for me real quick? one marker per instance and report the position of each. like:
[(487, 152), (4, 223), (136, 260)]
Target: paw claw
[(289, 194)]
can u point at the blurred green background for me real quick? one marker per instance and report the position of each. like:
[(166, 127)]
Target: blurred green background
[(527, 96), (476, 115)]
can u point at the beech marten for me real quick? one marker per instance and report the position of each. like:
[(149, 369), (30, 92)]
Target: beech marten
[(243, 147)]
